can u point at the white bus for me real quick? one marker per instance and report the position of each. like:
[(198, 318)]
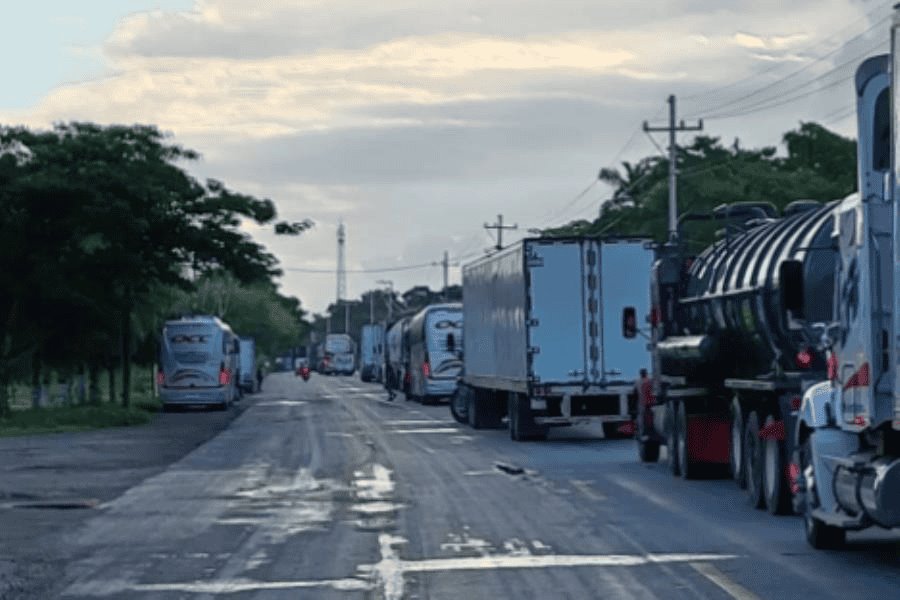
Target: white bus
[(198, 363)]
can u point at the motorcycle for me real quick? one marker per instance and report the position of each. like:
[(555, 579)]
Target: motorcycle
[(303, 372)]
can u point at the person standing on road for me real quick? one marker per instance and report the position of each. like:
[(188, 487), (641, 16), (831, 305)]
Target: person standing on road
[(389, 383), (644, 394), (259, 379)]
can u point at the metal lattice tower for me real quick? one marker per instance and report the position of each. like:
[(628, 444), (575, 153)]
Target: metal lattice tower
[(341, 264)]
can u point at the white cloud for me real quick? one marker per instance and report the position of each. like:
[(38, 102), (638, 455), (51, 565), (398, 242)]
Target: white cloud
[(436, 114)]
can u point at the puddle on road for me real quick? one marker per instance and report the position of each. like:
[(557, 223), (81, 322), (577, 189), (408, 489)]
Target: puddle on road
[(375, 508), (280, 506)]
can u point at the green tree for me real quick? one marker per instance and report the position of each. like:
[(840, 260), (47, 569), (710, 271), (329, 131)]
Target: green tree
[(818, 164), (93, 220)]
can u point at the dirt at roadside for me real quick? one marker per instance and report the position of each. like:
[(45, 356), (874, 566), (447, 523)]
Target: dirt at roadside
[(50, 484)]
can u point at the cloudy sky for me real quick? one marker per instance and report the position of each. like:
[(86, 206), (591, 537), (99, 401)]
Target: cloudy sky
[(415, 121)]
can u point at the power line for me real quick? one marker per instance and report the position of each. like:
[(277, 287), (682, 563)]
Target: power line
[(776, 102), (744, 97), (755, 75)]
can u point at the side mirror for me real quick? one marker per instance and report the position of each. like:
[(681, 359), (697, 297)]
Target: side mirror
[(451, 342), (790, 278), (629, 322)]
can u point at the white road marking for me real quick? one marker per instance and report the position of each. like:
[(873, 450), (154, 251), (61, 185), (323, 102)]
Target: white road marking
[(388, 573), (378, 487), (735, 590), (480, 473), (460, 543), (225, 586), (415, 422), (280, 403), (585, 488), (427, 430), (374, 508)]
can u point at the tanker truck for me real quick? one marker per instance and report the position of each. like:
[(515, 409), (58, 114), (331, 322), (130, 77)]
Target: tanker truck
[(775, 350)]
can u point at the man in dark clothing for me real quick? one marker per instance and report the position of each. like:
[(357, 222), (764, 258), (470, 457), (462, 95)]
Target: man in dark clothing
[(259, 379)]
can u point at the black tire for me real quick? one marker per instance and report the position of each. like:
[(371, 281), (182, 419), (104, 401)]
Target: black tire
[(521, 420), (672, 439), (736, 453), (775, 485), (819, 535), (476, 409), (753, 461), (459, 404), (686, 466)]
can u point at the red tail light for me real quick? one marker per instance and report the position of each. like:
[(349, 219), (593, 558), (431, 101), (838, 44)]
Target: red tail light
[(654, 316), (407, 377), (804, 359), (796, 402), (426, 369), (224, 377), (160, 378)]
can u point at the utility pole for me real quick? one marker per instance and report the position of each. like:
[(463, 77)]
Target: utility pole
[(672, 129), (341, 262), (346, 317), (499, 226), (371, 307), (390, 298), (446, 264), (328, 324)]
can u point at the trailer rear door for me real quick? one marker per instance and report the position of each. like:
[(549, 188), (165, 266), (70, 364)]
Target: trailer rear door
[(624, 282), (556, 317)]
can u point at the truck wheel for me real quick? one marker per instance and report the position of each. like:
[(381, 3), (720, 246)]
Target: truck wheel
[(459, 404), (687, 466), (672, 439), (521, 421), (736, 458), (479, 409), (819, 535), (753, 461), (775, 485), (648, 448)]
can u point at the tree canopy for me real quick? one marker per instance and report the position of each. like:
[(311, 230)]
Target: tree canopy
[(94, 221), (818, 165)]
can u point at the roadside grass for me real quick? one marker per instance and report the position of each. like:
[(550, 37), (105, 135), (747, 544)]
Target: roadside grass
[(62, 414), (61, 419)]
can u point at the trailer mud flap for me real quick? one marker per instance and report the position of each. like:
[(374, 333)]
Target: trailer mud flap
[(709, 439), (773, 431)]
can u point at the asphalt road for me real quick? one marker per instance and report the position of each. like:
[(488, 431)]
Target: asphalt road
[(327, 490)]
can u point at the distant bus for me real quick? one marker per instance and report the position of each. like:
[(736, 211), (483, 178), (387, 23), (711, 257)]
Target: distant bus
[(199, 361), (395, 355), (371, 352), (340, 354), (435, 351)]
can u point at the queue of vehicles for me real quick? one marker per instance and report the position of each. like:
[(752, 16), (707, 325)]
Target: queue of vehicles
[(773, 354)]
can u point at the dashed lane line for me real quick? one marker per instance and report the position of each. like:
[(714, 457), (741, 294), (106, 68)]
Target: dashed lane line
[(735, 590), (585, 488)]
